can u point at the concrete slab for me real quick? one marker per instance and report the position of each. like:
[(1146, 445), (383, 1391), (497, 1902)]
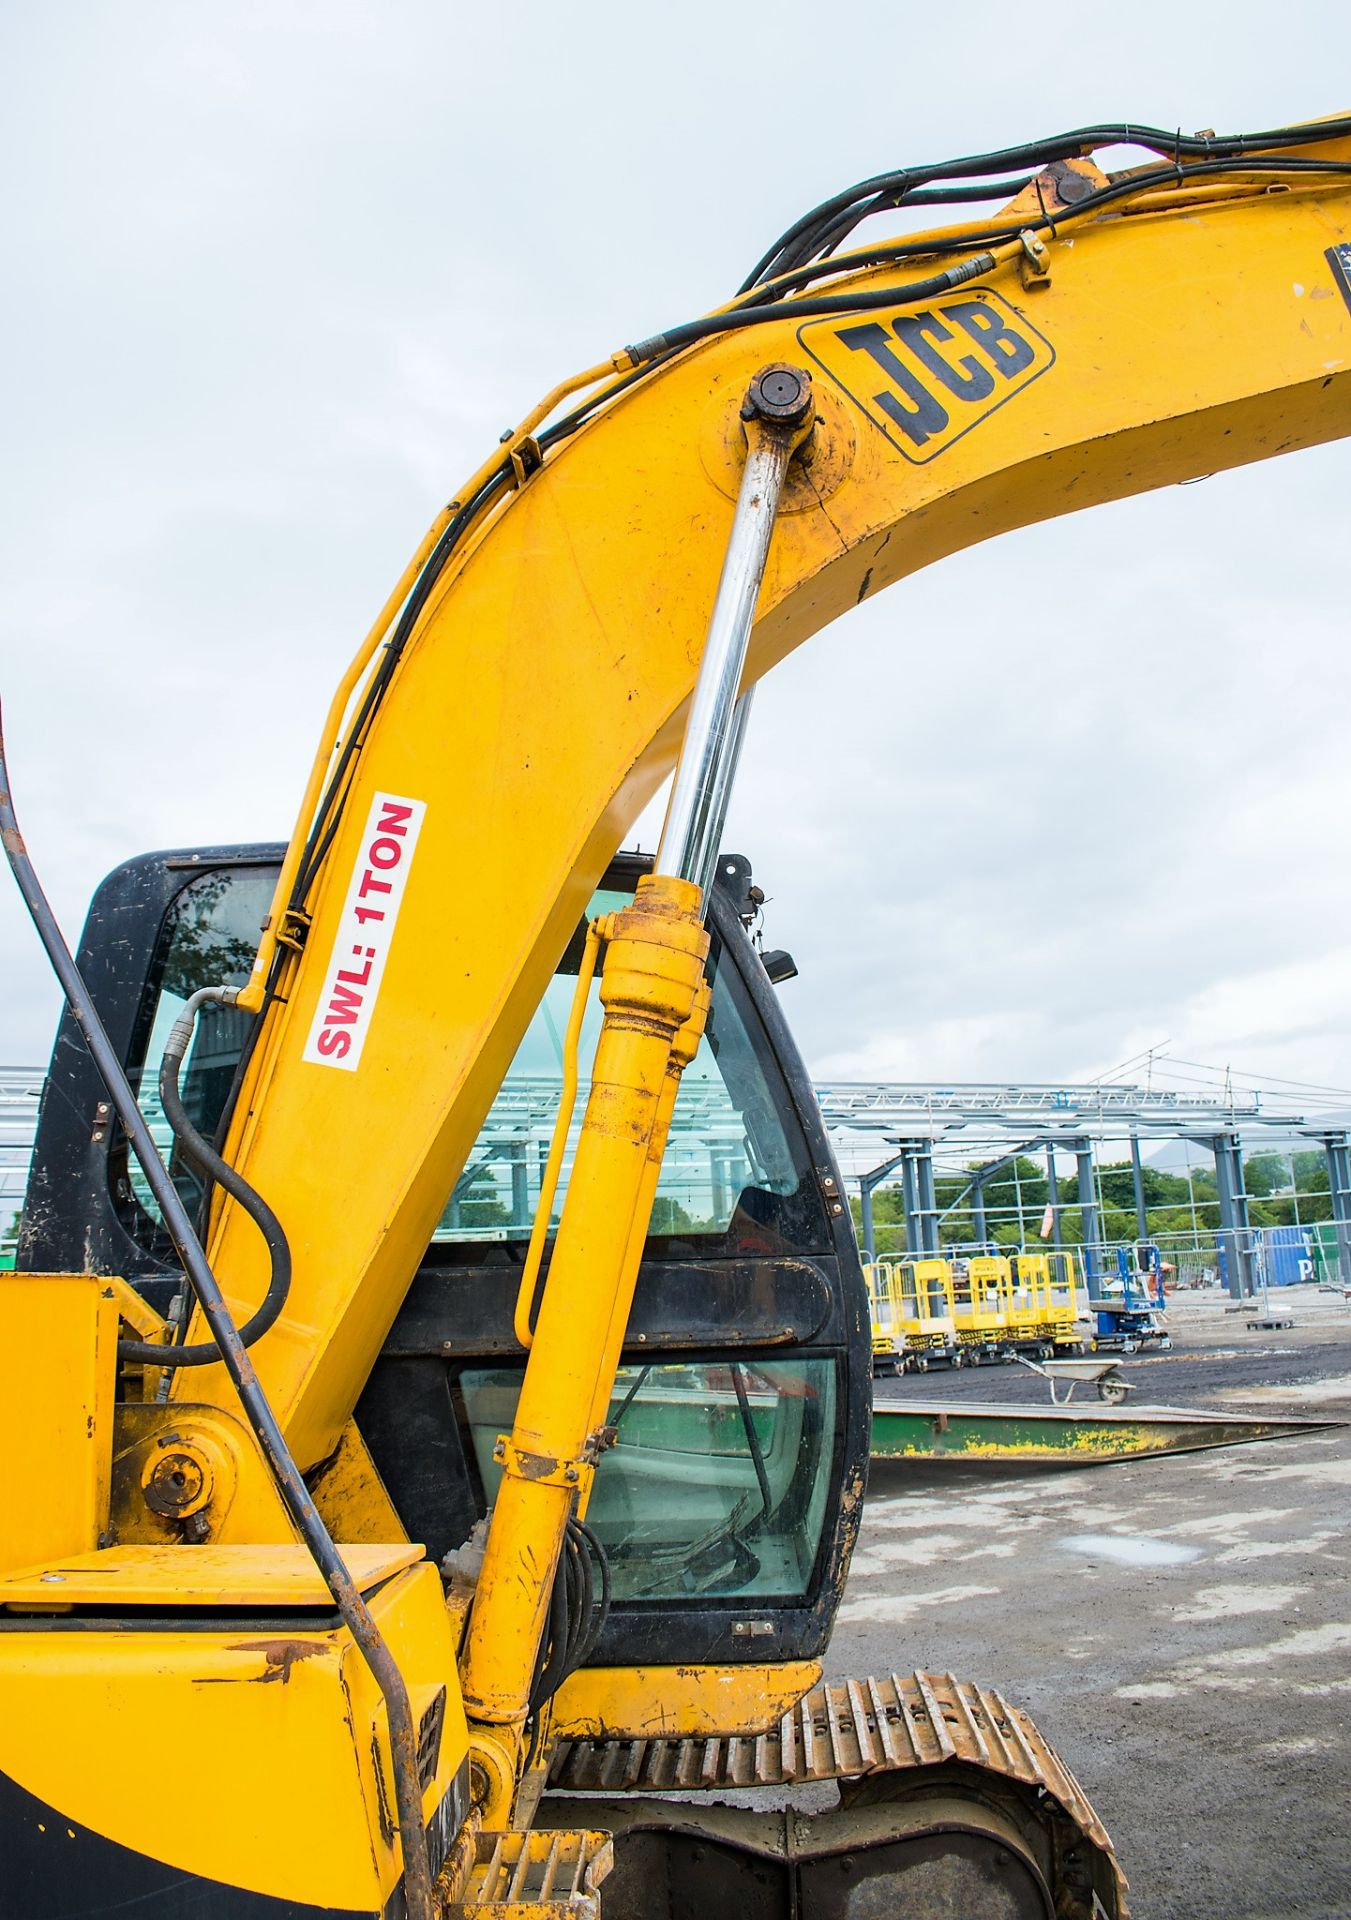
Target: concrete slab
[(1181, 1627)]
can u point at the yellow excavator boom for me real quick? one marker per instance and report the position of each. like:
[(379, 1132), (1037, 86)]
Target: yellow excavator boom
[(520, 698)]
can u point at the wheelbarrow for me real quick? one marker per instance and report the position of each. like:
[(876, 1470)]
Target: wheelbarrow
[(1103, 1374)]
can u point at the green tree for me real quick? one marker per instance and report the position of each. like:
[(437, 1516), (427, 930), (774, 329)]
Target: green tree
[(1265, 1174), (668, 1216), (474, 1202), (1117, 1181)]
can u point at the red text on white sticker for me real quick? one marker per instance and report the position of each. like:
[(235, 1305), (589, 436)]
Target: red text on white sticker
[(360, 947)]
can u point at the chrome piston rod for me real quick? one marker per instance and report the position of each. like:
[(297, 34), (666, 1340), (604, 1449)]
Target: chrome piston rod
[(778, 411)]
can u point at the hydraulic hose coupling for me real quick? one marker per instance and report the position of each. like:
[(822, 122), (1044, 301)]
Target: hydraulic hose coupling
[(180, 1034)]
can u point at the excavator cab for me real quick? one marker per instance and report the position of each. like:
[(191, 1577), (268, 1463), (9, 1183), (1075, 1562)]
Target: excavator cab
[(725, 1504), (740, 1413)]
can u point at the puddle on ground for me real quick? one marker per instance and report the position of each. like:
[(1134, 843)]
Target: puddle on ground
[(1129, 1549)]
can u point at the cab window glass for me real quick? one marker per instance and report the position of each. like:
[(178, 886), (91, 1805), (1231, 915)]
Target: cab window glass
[(727, 1145), (718, 1479), (209, 939)]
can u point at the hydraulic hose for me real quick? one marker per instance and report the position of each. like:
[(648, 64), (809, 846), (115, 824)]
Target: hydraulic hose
[(200, 1153), (601, 1613), (234, 1357), (576, 1618), (567, 1100)]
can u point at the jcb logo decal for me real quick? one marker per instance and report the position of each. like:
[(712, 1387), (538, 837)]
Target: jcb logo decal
[(927, 375)]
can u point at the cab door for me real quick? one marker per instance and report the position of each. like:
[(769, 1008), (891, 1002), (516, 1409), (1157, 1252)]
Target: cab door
[(742, 1407)]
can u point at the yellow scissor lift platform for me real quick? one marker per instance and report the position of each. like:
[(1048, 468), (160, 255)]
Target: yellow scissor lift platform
[(912, 1315), (968, 1311)]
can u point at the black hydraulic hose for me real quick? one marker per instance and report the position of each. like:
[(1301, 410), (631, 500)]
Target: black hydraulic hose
[(817, 241), (555, 1668), (1125, 187), (325, 824), (755, 311), (586, 1598), (964, 196), (200, 1153), (601, 1613), (889, 187), (725, 322), (235, 1358), (576, 1619)]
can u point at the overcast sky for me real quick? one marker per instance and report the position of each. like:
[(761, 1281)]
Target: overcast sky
[(279, 274)]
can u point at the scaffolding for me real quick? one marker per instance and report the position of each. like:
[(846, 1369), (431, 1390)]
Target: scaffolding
[(890, 1132), (885, 1132), (20, 1091)]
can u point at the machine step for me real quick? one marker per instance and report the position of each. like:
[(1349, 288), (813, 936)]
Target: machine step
[(527, 1876)]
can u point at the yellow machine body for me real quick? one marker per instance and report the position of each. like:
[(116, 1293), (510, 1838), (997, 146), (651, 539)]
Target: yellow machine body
[(537, 708), (540, 704)]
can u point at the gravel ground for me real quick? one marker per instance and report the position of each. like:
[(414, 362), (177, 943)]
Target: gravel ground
[(1180, 1628)]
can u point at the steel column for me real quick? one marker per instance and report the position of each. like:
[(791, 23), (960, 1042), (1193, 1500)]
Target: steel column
[(1138, 1181), (1235, 1233), (911, 1202), (865, 1220), (1335, 1149), (978, 1209), (866, 1183), (928, 1202), (520, 1183), (1090, 1231), (1053, 1197)]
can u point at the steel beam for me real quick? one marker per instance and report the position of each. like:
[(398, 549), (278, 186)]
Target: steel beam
[(1090, 1231), (1338, 1156), (1138, 1182), (927, 1209), (1235, 1228), (1053, 1196)]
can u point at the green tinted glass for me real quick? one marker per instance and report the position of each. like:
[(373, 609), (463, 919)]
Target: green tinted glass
[(211, 936), (717, 1482), (725, 1136)]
